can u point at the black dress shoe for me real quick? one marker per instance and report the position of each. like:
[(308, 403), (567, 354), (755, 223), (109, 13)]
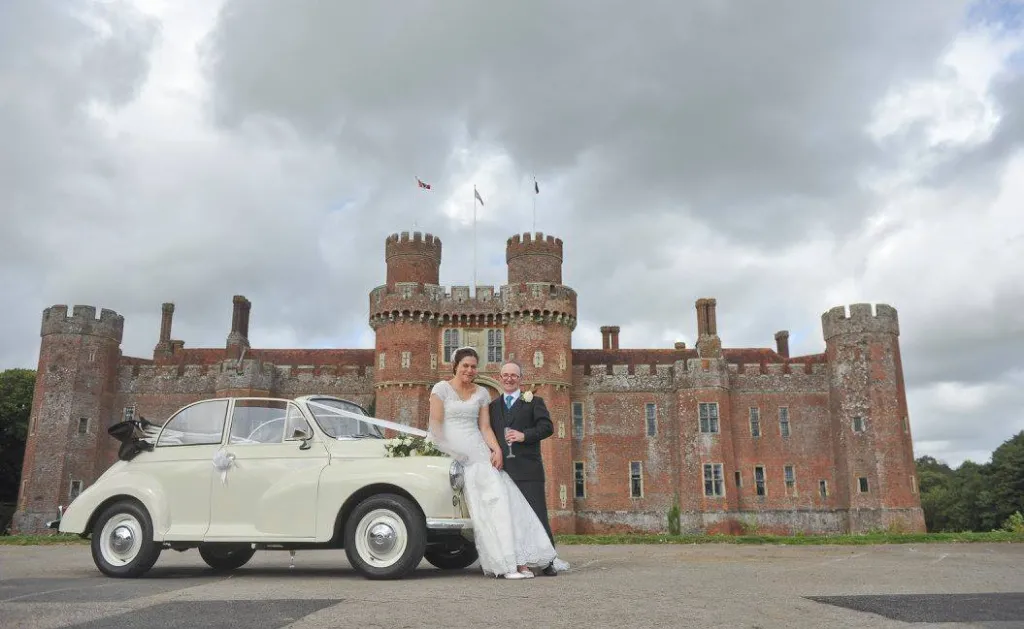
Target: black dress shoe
[(550, 570)]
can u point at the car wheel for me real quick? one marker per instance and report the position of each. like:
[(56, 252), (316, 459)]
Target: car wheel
[(452, 557), (224, 557), (122, 541), (385, 537)]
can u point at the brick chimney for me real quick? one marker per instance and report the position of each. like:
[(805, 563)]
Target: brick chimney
[(708, 343), (610, 337), (164, 347), (238, 338), (782, 343)]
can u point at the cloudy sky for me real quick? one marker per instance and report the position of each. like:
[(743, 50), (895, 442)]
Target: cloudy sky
[(781, 157)]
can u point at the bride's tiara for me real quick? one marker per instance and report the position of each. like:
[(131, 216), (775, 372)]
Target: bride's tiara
[(459, 349)]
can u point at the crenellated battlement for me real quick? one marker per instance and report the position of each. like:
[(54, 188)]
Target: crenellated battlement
[(533, 244), (534, 258), (489, 306), (82, 321), (416, 244), (862, 319)]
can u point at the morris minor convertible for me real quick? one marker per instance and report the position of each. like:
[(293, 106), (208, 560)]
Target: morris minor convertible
[(230, 476)]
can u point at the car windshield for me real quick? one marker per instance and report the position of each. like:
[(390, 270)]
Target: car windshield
[(328, 415)]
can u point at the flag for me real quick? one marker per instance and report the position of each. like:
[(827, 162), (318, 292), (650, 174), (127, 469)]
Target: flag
[(477, 195), (425, 186), (536, 188)]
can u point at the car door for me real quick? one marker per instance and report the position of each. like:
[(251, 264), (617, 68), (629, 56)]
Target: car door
[(180, 471), (269, 492)]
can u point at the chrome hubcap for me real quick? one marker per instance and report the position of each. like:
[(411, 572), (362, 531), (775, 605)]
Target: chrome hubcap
[(122, 539), (382, 538)]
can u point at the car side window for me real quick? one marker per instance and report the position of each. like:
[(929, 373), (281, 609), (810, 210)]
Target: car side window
[(258, 421), (199, 424), (295, 421)]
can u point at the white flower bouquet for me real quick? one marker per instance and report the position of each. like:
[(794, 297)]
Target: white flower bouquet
[(409, 445)]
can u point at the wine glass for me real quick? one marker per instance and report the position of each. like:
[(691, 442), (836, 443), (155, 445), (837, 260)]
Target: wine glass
[(509, 442)]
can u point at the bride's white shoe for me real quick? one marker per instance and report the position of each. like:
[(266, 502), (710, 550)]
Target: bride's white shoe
[(519, 575)]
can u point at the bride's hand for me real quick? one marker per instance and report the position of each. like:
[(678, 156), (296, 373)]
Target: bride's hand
[(496, 459)]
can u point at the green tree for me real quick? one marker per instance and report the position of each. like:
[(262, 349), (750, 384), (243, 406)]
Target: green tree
[(1006, 482), (16, 389)]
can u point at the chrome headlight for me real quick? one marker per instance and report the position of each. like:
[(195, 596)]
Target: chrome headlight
[(456, 475)]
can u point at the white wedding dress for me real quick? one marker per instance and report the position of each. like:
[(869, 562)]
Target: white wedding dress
[(506, 531)]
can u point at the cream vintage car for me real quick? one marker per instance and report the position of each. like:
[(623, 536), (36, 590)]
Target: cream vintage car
[(231, 476)]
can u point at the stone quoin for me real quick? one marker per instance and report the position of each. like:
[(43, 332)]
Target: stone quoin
[(739, 439)]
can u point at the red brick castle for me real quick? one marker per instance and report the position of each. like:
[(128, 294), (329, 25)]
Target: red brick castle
[(738, 439)]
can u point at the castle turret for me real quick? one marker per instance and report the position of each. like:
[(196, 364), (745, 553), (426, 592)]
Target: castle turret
[(76, 382), (415, 260), (406, 328), (868, 412), (539, 336), (534, 258)]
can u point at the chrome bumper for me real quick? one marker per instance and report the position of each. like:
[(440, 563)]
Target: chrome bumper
[(449, 524)]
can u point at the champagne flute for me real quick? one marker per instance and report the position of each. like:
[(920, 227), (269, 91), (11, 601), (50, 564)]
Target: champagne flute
[(509, 442)]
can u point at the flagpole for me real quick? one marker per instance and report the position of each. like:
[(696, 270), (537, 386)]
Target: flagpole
[(474, 240)]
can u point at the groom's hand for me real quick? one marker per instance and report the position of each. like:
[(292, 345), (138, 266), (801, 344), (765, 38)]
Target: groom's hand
[(496, 459), (515, 435)]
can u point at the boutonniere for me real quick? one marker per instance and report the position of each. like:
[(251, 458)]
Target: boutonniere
[(528, 397)]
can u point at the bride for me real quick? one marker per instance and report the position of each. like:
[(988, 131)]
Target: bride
[(508, 536)]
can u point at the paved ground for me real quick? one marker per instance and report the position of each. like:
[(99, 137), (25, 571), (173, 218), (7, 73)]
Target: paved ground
[(969, 585)]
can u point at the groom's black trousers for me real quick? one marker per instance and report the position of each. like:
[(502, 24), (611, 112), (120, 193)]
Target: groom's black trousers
[(533, 491)]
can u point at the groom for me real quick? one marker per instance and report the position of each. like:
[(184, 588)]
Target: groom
[(530, 422)]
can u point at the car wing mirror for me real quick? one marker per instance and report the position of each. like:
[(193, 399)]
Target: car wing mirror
[(302, 436)]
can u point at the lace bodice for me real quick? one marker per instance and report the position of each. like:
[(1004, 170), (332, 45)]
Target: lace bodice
[(457, 410)]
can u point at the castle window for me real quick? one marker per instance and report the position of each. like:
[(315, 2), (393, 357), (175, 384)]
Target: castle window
[(714, 480), (739, 479), (636, 479), (433, 361), (652, 420), (858, 424), (784, 421), (906, 424), (76, 489), (823, 489), (380, 360), (451, 343), (128, 413), (755, 421), (581, 480), (406, 359), (913, 484), (407, 291), (790, 477), (759, 480), (709, 417), (495, 345), (83, 425), (862, 484), (538, 359), (577, 419)]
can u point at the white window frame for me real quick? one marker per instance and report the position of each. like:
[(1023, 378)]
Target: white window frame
[(716, 480), (651, 419), (712, 419), (640, 467)]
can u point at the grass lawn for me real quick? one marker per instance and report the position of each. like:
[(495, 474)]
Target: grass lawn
[(799, 540)]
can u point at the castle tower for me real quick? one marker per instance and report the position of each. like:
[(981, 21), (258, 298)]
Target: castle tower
[(541, 315), (403, 315), (72, 408), (868, 413)]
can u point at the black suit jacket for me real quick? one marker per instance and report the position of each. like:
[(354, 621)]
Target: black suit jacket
[(533, 420)]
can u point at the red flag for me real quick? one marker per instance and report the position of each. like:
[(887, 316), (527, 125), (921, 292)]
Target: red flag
[(425, 186)]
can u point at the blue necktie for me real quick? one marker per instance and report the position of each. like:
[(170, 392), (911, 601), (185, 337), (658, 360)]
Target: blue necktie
[(508, 402)]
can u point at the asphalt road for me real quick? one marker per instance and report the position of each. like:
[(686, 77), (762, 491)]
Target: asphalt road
[(947, 585)]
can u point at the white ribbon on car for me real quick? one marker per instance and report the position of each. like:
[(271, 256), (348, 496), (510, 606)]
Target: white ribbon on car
[(223, 461), (383, 423)]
